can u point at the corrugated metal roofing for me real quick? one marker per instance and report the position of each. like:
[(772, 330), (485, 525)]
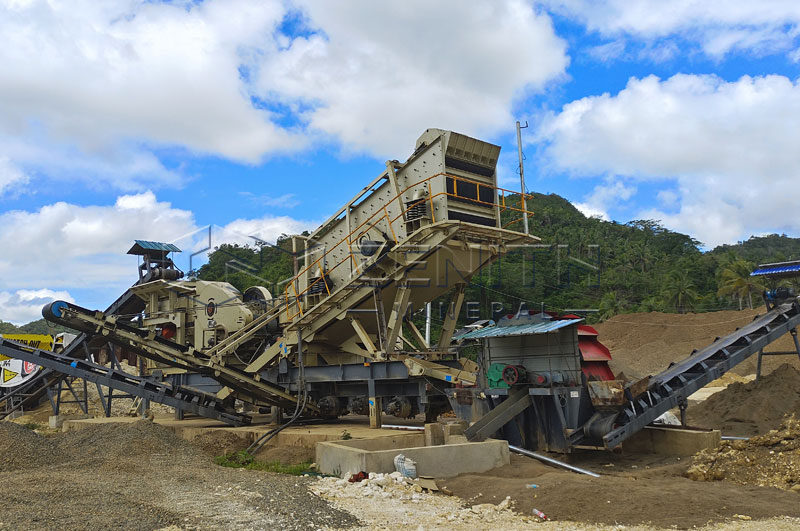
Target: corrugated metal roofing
[(541, 327), (153, 246), (777, 270)]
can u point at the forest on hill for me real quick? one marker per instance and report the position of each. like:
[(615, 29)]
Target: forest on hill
[(581, 264)]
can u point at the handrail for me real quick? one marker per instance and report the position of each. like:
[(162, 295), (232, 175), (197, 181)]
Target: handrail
[(385, 216)]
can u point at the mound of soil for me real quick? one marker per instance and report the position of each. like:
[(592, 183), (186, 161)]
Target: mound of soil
[(646, 343), (753, 407), (765, 460), (220, 442), (23, 448)]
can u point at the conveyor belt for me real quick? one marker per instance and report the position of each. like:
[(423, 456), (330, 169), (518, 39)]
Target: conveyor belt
[(154, 347), (179, 397), (32, 391), (673, 386)]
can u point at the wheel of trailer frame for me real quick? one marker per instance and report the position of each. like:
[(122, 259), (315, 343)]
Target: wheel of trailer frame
[(510, 374)]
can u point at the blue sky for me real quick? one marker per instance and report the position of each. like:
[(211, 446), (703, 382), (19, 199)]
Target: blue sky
[(129, 119)]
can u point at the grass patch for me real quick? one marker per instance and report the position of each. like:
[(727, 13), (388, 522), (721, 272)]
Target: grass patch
[(242, 459), (32, 426)]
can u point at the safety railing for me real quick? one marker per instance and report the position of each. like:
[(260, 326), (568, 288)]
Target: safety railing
[(383, 215)]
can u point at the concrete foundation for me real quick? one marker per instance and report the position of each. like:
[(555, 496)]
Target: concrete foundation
[(304, 436), (672, 440), (57, 421), (377, 455)]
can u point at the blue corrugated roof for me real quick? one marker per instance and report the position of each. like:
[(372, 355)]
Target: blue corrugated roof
[(541, 327), (776, 270)]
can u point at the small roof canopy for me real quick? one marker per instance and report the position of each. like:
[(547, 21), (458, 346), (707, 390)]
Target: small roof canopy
[(144, 247), (778, 270)]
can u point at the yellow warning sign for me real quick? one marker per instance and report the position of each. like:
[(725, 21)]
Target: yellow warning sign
[(42, 341), (9, 375)]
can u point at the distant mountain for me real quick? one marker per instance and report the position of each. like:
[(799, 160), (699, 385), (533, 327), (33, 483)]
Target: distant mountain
[(764, 249), (34, 327)]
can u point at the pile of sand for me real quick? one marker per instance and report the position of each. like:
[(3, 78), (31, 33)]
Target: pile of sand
[(753, 407), (765, 460), (646, 343)]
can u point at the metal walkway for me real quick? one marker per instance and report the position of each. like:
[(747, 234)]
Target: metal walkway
[(179, 397), (673, 386)]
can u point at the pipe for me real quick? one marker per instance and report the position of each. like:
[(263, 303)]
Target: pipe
[(734, 438), (515, 449), (551, 461), (400, 427)]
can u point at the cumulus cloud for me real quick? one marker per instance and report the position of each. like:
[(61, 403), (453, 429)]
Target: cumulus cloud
[(24, 305), (377, 70), (95, 85), (11, 177), (718, 26), (64, 248), (611, 193), (727, 149)]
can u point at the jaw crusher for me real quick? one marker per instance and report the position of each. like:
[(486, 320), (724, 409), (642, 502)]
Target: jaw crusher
[(338, 338)]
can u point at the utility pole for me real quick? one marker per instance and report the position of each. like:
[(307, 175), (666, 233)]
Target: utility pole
[(522, 175)]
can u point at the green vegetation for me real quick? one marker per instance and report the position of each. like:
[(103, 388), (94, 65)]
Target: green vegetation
[(242, 459), (581, 263), (34, 327)]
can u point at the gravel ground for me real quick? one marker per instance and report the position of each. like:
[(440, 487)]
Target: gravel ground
[(388, 505), (142, 476)]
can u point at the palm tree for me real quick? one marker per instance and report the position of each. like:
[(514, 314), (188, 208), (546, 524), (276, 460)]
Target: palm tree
[(679, 292), (610, 305), (736, 281)]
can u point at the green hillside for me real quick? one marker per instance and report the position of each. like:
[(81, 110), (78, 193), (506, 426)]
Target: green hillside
[(581, 263)]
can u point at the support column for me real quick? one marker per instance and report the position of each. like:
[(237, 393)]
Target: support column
[(451, 319), (395, 323), (375, 406)]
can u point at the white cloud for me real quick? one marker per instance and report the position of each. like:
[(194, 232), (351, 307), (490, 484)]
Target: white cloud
[(11, 177), (23, 306), (611, 193), (718, 26), (591, 211), (729, 147), (75, 248), (384, 71), (94, 85)]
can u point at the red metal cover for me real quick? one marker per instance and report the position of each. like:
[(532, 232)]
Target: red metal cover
[(597, 370), (593, 350)]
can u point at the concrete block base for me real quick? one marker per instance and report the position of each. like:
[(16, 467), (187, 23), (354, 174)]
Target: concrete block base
[(343, 458), (56, 421), (434, 435), (672, 440)]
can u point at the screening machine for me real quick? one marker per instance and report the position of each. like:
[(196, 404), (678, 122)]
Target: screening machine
[(338, 338)]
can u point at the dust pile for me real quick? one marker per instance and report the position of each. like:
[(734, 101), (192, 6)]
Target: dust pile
[(646, 343), (771, 460), (753, 407)]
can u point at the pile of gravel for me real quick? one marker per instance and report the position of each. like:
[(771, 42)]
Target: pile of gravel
[(25, 449), (133, 442)]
